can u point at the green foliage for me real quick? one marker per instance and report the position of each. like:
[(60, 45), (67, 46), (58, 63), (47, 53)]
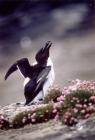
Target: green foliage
[(77, 96), (40, 114), (52, 95), (44, 113), (77, 105), (17, 120)]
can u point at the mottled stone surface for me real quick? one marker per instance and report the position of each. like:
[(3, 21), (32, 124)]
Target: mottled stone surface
[(10, 111), (52, 130)]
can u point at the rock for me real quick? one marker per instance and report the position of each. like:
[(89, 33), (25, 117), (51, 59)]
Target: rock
[(53, 130)]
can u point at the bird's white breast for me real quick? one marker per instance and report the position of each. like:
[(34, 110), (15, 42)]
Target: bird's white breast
[(20, 71), (49, 81), (26, 81), (51, 75), (50, 78)]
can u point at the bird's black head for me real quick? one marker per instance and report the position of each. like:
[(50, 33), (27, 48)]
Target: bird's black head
[(43, 54)]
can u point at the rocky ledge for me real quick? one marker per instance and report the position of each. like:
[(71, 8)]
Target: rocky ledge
[(52, 130), (67, 113)]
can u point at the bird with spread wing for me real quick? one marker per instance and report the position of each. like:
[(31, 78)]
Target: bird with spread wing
[(38, 77)]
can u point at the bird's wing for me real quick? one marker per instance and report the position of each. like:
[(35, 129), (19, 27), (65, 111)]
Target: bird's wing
[(42, 76), (14, 67), (11, 70)]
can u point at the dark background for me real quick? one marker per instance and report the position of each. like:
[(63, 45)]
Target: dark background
[(25, 26)]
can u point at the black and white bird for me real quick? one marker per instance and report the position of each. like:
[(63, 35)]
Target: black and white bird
[(38, 77)]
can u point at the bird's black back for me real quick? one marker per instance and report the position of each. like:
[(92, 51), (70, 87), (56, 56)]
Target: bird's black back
[(35, 85)]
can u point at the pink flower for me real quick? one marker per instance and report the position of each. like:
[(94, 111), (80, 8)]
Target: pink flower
[(62, 98), (75, 110), (33, 120), (24, 119), (1, 117), (74, 99), (90, 104), (78, 101), (55, 105), (84, 106), (56, 117), (85, 100), (83, 111), (54, 111), (58, 99), (61, 102), (29, 116), (92, 87), (91, 108), (78, 106), (87, 116), (65, 120), (33, 115), (92, 98), (47, 111), (33, 109), (73, 88), (72, 118), (46, 119), (67, 115)]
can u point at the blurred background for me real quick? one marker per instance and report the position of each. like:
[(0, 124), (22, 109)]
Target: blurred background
[(25, 26)]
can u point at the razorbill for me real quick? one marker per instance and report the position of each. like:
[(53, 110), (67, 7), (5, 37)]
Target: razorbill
[(38, 77)]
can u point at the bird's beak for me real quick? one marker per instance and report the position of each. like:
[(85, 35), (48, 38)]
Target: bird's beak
[(47, 46)]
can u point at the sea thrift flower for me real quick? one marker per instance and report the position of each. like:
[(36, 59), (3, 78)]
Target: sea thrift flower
[(78, 101), (84, 106), (72, 119), (74, 99), (61, 98), (54, 111), (46, 119), (92, 98), (73, 88), (24, 120), (85, 100), (47, 111), (57, 117), (87, 116), (75, 110), (1, 117), (33, 120), (58, 99), (33, 115), (67, 115), (29, 116), (90, 104), (61, 102), (91, 108), (33, 109), (79, 106), (83, 111), (65, 120), (55, 105)]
